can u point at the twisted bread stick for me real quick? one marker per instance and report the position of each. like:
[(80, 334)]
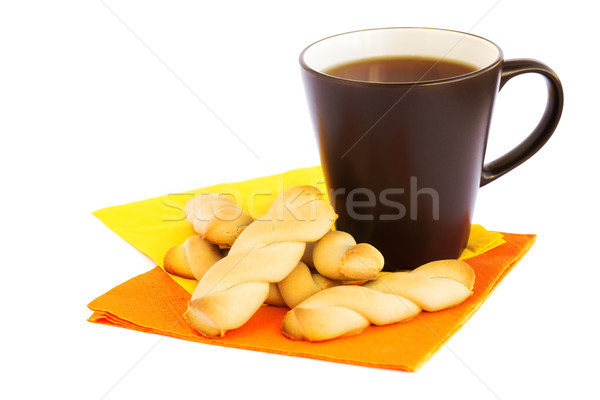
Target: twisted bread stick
[(307, 257), (216, 218), (434, 286), (274, 297), (337, 256), (192, 259), (347, 310), (300, 284), (266, 251)]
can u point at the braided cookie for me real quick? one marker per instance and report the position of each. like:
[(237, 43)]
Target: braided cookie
[(192, 259), (307, 257), (266, 251), (337, 256), (394, 297), (216, 218), (274, 297), (300, 284)]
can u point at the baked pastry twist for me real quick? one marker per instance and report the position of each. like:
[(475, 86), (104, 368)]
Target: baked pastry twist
[(274, 297), (394, 297), (300, 284), (337, 256), (216, 218), (266, 251), (307, 257), (192, 259)]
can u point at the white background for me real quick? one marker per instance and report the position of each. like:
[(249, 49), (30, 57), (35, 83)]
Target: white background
[(101, 104)]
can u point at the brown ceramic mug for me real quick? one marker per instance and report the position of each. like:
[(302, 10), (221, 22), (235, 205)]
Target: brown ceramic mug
[(403, 160)]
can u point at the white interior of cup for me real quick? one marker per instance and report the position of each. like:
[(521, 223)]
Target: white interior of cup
[(394, 42)]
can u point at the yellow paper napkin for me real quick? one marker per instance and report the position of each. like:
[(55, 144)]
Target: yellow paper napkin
[(155, 225)]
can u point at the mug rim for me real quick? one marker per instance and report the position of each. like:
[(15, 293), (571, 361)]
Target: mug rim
[(498, 60)]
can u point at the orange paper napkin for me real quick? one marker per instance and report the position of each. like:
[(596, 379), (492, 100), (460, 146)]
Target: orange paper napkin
[(154, 302)]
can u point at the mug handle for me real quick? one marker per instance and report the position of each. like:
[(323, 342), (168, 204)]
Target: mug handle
[(542, 132)]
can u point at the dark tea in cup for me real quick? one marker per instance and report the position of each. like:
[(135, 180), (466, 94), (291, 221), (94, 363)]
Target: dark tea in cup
[(400, 69)]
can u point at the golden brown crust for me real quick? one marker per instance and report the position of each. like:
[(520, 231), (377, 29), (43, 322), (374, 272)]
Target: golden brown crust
[(457, 270), (337, 256), (201, 255), (344, 310), (216, 313), (175, 262), (394, 297), (274, 297), (192, 259), (307, 257), (266, 251), (226, 225), (300, 284), (216, 218)]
